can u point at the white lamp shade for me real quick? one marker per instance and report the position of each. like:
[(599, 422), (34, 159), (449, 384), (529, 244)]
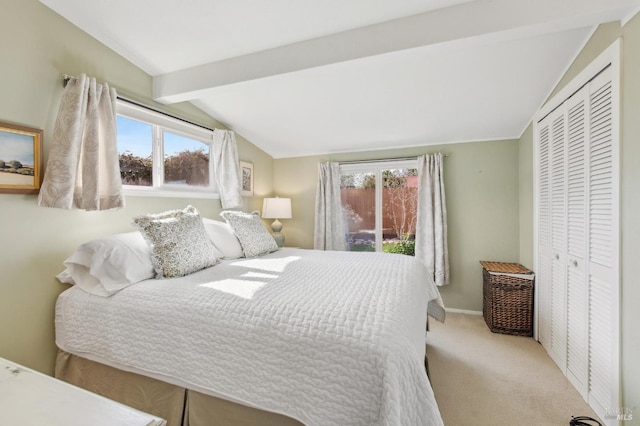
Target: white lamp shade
[(276, 208)]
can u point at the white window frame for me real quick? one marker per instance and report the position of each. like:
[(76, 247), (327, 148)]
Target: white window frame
[(163, 123), (377, 167)]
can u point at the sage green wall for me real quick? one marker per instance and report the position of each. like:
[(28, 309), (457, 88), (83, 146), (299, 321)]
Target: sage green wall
[(629, 192), (630, 215), (37, 47), (481, 183), (525, 194)]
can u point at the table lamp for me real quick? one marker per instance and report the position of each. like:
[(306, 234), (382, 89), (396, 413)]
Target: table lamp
[(277, 208)]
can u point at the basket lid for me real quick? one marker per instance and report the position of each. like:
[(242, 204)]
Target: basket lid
[(505, 268)]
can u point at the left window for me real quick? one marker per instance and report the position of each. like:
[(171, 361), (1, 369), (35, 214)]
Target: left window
[(163, 156)]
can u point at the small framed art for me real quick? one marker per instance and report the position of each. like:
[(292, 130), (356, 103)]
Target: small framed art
[(20, 159), (246, 172)]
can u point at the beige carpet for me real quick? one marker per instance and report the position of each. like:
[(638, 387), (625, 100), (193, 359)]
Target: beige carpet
[(483, 378)]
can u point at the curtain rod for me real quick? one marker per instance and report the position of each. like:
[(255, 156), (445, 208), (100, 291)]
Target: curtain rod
[(385, 159), (67, 77)]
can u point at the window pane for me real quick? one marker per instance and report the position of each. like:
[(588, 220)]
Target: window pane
[(186, 161), (358, 194), (399, 210), (135, 147)]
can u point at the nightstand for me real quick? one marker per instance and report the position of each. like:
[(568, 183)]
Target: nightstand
[(29, 398)]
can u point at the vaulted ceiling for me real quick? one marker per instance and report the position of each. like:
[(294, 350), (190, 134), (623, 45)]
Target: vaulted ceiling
[(306, 77)]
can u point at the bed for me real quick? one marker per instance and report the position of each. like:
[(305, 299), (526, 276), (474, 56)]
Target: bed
[(290, 336)]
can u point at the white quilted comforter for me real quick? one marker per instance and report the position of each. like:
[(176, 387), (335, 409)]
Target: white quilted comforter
[(328, 338)]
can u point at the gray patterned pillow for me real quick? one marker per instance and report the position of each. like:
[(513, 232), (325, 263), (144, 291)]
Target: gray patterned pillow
[(254, 238), (179, 243)]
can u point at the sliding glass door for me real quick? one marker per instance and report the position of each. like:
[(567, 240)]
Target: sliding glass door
[(379, 204)]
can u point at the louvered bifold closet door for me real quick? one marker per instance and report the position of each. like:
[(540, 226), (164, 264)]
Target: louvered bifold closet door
[(543, 274), (577, 234), (558, 204), (577, 288), (602, 246)]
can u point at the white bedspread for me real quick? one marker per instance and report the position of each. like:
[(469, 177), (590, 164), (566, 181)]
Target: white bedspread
[(328, 338)]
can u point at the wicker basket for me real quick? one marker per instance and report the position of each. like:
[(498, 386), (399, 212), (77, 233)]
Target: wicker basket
[(508, 298)]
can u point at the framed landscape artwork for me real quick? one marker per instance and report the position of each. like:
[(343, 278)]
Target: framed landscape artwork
[(20, 159), (246, 172)]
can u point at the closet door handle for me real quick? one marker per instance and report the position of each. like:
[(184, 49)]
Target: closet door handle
[(574, 263), (557, 256)]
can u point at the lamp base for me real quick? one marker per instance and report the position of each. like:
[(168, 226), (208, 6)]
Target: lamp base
[(276, 226)]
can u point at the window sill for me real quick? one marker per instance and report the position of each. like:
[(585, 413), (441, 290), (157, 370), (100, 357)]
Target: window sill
[(167, 193)]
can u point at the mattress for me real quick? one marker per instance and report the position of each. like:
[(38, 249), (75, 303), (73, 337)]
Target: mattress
[(327, 338)]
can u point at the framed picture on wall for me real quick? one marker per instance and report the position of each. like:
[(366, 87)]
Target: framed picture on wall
[(20, 159), (246, 172)]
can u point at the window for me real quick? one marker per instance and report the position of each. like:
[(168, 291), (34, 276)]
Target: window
[(379, 203), (163, 156)]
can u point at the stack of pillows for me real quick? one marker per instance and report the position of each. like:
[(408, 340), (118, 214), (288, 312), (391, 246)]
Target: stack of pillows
[(171, 244)]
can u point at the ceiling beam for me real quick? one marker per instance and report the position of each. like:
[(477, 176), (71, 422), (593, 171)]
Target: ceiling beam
[(479, 21)]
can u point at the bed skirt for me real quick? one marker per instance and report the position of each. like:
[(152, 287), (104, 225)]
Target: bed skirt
[(177, 405)]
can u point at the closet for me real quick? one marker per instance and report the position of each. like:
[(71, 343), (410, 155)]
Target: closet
[(577, 263)]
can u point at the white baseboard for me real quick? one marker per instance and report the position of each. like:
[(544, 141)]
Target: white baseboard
[(463, 311)]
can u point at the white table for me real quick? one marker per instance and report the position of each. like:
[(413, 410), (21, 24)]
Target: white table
[(29, 398)]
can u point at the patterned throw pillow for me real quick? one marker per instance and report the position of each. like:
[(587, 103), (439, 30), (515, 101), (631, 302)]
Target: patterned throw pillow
[(179, 244), (254, 238)]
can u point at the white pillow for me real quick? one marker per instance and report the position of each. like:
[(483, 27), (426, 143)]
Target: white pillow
[(222, 236), (254, 238), (179, 243), (107, 265)]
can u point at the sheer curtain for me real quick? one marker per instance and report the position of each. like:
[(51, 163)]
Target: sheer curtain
[(329, 227), (83, 170), (227, 168), (431, 229)]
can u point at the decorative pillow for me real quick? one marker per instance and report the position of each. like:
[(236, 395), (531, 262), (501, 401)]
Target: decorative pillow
[(179, 243), (107, 265), (222, 236), (254, 238)]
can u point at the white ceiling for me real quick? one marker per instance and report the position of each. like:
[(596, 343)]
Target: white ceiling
[(324, 76)]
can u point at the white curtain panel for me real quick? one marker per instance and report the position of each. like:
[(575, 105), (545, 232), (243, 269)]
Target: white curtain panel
[(329, 225), (83, 170), (227, 168), (431, 229)]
